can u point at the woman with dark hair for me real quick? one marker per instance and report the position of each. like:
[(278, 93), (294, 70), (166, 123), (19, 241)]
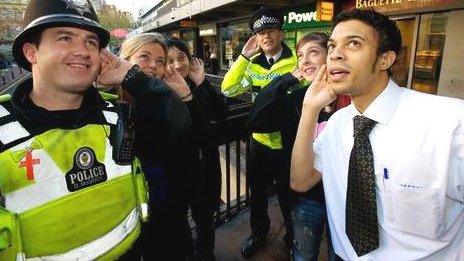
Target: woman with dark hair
[(207, 109), (278, 108)]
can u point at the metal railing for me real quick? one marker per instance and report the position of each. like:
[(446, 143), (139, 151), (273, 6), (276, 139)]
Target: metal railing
[(235, 151), (234, 145), (10, 76)]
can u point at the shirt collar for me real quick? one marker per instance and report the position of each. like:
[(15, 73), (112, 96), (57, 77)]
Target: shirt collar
[(384, 106), (276, 56)]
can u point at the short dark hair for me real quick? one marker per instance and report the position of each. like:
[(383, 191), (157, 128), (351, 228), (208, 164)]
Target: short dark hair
[(320, 37), (35, 37), (176, 42), (389, 36)]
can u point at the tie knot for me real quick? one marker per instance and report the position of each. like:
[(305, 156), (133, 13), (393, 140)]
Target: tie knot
[(363, 125), (271, 61)]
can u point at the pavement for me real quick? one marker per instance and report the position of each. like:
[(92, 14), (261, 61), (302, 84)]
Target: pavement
[(229, 238)]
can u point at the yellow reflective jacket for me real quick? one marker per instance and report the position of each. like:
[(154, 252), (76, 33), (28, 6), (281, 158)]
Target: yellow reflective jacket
[(64, 196), (255, 74)]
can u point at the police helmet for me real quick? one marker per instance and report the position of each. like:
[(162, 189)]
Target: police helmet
[(42, 14)]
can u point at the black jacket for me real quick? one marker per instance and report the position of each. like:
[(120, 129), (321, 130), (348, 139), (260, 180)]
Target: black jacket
[(278, 108), (163, 126), (161, 117), (38, 120), (208, 109)]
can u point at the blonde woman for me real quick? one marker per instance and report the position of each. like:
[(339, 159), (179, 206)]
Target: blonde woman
[(159, 147)]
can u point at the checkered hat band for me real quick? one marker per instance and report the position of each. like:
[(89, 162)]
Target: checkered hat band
[(265, 20)]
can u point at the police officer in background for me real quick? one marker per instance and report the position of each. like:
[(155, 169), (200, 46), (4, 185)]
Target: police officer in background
[(70, 190), (263, 58)]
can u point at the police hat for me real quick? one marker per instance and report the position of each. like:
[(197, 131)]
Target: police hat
[(42, 14), (266, 18)]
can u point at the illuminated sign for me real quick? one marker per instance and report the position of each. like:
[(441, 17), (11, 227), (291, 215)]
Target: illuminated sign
[(206, 32), (188, 23), (325, 11), (302, 17)]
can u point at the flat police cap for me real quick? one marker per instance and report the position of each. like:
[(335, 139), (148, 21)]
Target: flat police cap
[(266, 18), (42, 14)]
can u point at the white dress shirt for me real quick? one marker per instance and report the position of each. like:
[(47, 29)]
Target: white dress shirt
[(275, 57), (418, 148)]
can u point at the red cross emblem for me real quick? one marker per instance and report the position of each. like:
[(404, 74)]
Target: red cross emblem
[(29, 163)]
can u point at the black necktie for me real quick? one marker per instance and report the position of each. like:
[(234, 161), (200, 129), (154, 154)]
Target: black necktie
[(362, 226), (271, 61)]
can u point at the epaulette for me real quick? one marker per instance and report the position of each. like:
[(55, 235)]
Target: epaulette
[(5, 97)]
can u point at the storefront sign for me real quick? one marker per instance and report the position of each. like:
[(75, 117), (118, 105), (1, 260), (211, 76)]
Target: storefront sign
[(188, 23), (325, 11), (209, 29), (395, 5), (303, 17), (207, 32)]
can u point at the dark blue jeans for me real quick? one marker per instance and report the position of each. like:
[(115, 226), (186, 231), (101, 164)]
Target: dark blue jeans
[(308, 219)]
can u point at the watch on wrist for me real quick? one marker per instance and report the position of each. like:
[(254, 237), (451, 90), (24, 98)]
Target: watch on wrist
[(130, 75)]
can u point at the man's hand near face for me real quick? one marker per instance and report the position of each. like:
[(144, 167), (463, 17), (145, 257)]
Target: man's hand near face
[(251, 47), (112, 69), (319, 93)]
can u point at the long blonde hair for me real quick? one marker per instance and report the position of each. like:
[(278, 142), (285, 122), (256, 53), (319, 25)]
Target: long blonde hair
[(132, 44)]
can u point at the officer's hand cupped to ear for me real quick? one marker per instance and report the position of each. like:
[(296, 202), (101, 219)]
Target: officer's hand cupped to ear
[(112, 68)]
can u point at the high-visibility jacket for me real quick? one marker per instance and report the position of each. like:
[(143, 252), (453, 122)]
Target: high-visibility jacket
[(64, 196), (254, 74)]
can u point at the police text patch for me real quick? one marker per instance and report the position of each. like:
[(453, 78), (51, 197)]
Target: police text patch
[(86, 171)]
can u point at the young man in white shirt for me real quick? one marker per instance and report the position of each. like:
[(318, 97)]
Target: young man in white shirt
[(417, 150)]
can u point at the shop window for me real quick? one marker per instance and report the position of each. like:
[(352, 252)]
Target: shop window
[(430, 44), (210, 54), (188, 37), (290, 39), (400, 69), (232, 39)]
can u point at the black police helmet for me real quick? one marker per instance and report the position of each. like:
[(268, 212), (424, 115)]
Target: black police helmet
[(42, 14), (266, 18)]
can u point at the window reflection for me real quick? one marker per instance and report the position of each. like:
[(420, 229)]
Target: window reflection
[(233, 38), (430, 44), (400, 68)]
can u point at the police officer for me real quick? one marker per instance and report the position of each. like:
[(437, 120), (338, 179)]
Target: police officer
[(264, 57), (66, 194)]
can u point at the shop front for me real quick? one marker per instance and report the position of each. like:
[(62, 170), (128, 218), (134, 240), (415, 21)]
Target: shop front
[(233, 36), (210, 47), (187, 31), (299, 21), (189, 35), (431, 57)]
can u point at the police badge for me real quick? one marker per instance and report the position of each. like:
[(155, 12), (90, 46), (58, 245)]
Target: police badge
[(86, 170), (81, 6)]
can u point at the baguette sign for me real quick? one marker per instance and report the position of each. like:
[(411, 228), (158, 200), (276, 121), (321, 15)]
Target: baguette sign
[(394, 5)]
